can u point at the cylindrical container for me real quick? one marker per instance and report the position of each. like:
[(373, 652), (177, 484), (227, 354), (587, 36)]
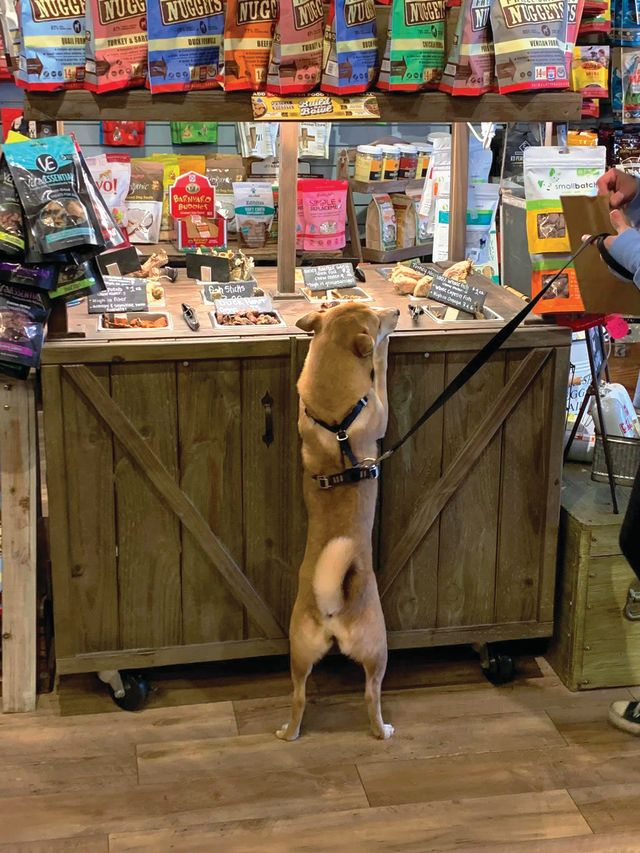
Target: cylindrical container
[(423, 156), (368, 163), (390, 162), (408, 161)]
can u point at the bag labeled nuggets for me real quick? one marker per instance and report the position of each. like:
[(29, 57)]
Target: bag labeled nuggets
[(23, 314), (350, 51), (530, 42), (185, 44), (296, 53), (57, 206), (248, 34), (116, 49), (549, 173), (52, 45), (414, 52), (471, 63)]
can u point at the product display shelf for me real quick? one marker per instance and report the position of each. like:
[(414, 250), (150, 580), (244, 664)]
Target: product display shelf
[(433, 107), (399, 186), (393, 255)]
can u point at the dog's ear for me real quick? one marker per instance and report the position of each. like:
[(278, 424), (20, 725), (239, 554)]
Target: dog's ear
[(311, 322), (363, 344)]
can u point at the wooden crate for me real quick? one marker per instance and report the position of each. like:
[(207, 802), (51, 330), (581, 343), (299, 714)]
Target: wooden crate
[(177, 530), (594, 644)]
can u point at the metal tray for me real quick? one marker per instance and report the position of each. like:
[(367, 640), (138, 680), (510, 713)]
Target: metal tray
[(430, 311), (237, 330), (362, 295), (130, 315)]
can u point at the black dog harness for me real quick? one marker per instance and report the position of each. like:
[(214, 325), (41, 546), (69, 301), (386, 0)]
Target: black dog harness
[(369, 469), (359, 470)]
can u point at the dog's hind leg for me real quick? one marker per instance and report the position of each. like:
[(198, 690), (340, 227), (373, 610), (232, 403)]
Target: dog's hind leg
[(309, 643), (374, 671)]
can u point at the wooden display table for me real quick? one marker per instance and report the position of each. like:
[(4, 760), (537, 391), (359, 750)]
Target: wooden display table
[(594, 644), (177, 529)]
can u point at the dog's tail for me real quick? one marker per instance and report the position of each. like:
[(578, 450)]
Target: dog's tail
[(335, 560)]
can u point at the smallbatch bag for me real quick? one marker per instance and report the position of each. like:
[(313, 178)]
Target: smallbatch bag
[(414, 52), (470, 68), (185, 44), (530, 41), (248, 35), (551, 172), (295, 65), (116, 48), (52, 45), (350, 50)]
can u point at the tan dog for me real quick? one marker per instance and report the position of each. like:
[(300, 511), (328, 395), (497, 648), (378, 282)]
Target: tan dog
[(337, 592)]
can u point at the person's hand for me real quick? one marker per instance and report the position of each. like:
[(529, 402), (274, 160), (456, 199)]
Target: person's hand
[(619, 186)]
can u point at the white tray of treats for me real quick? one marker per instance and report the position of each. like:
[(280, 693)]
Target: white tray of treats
[(135, 321)]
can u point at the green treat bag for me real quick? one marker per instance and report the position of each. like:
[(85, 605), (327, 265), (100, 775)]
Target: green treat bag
[(414, 55), (194, 132)]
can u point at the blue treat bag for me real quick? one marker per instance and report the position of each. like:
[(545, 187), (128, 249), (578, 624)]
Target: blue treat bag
[(350, 54), (52, 47), (185, 44)]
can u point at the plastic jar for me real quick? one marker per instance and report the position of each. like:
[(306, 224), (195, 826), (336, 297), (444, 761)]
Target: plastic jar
[(408, 161), (368, 163), (390, 162), (423, 157)]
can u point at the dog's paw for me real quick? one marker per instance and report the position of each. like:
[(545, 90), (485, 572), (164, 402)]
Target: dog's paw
[(386, 733), (283, 733)]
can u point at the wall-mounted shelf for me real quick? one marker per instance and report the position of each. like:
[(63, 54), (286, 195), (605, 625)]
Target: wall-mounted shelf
[(433, 107), (394, 255), (399, 186)]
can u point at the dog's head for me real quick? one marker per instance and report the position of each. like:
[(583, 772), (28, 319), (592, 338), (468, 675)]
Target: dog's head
[(353, 326)]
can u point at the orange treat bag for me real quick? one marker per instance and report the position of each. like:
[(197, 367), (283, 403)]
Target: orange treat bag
[(248, 35)]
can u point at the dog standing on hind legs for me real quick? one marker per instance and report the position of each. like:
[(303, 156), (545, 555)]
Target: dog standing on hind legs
[(343, 414)]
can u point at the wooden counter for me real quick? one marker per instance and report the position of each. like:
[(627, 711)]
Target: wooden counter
[(177, 527)]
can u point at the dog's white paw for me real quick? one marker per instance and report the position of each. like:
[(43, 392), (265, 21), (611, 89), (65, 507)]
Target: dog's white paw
[(283, 733), (387, 731)]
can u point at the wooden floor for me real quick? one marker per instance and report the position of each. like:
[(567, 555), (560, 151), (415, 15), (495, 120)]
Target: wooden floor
[(472, 767)]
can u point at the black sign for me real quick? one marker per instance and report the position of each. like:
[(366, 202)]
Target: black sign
[(118, 262), (456, 293), (423, 268), (220, 267), (329, 277), (233, 306), (122, 294), (229, 290)]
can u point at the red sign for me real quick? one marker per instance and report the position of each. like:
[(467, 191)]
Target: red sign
[(192, 195)]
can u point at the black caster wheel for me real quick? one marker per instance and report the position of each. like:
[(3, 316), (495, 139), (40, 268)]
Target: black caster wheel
[(499, 669), (136, 691)]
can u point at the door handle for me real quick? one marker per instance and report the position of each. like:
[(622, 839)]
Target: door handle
[(267, 404)]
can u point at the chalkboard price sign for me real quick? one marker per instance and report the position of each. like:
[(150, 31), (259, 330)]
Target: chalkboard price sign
[(329, 277), (457, 294), (121, 294), (229, 290), (233, 306)]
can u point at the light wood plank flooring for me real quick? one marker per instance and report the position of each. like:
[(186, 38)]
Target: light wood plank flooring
[(527, 767)]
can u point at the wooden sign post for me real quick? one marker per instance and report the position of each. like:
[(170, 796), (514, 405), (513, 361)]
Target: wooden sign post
[(287, 208), (459, 190)]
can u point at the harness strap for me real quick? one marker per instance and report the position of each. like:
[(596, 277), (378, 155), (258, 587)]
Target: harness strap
[(340, 431)]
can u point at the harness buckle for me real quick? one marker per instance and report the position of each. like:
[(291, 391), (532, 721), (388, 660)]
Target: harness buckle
[(323, 481), (342, 435)]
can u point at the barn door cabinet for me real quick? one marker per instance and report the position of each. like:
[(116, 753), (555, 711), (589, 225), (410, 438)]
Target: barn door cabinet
[(177, 521)]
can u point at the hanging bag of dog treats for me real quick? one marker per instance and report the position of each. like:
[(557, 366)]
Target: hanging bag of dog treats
[(116, 49), (549, 173), (350, 51), (57, 206), (470, 68), (185, 45), (296, 53), (530, 41), (414, 52), (248, 34), (23, 315), (52, 45), (11, 225), (144, 201)]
